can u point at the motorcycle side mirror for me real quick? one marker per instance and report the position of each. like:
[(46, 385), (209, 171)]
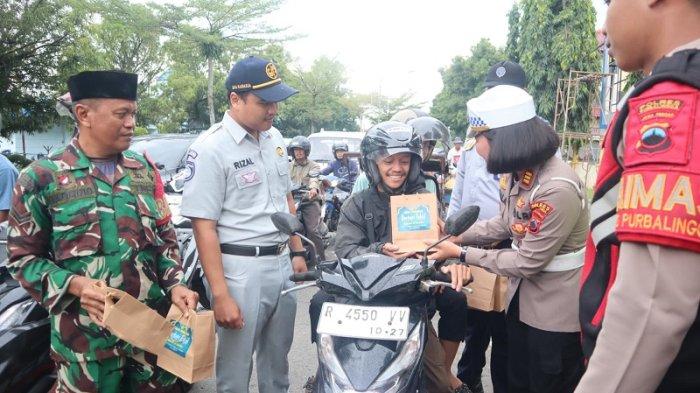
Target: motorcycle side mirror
[(462, 220), (287, 223), (454, 225)]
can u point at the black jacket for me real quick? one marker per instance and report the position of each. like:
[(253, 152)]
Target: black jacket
[(367, 209)]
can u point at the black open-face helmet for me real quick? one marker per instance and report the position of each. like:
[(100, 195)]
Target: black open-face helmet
[(431, 130), (386, 139), (340, 146), (299, 142)]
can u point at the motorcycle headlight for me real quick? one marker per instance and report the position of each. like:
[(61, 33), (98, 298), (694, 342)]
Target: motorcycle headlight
[(13, 315), (390, 380), (331, 365)]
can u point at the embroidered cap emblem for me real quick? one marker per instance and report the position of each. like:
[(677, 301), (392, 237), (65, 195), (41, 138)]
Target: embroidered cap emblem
[(271, 71), (500, 72)]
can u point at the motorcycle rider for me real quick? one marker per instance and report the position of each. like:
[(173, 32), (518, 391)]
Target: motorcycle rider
[(391, 158), (430, 130), (304, 172), (342, 167)]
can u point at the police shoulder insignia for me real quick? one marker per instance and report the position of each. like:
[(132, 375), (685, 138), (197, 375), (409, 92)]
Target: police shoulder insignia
[(661, 124), (527, 179), (538, 212), (503, 182)]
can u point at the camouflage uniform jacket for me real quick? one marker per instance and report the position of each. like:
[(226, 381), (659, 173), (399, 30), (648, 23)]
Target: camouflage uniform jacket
[(68, 219)]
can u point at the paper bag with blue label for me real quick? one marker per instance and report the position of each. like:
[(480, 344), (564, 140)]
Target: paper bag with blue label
[(188, 350), (130, 320), (414, 221)]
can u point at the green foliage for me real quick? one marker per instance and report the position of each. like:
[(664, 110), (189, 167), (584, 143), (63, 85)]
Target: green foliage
[(381, 108), (557, 36), (19, 161), (463, 80), (222, 31), (632, 79), (127, 37), (32, 36), (513, 33), (322, 101), (139, 131)]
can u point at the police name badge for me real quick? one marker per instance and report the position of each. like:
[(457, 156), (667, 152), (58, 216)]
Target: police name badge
[(414, 221)]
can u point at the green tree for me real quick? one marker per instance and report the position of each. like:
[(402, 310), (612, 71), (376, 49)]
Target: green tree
[(322, 102), (221, 30), (126, 36), (513, 33), (381, 108), (557, 36), (33, 34), (462, 80)]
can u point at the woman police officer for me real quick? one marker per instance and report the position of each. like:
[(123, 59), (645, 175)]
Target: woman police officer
[(544, 211)]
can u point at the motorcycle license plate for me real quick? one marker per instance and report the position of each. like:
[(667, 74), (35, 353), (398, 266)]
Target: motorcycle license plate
[(372, 323)]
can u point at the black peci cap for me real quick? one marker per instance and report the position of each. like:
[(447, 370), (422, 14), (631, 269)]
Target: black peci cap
[(103, 84), (506, 73), (260, 77)]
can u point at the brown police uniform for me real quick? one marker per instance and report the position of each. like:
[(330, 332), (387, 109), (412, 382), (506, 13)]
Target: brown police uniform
[(545, 213), (649, 339)]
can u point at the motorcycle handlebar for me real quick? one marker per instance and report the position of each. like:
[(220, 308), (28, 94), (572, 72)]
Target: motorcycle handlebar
[(306, 276), (437, 275), (440, 276)]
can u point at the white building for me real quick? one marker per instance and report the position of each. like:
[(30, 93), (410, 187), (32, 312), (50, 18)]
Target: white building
[(38, 143)]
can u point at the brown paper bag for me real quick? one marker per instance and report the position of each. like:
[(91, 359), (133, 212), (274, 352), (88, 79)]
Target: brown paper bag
[(414, 221), (188, 351), (131, 320), (488, 290)]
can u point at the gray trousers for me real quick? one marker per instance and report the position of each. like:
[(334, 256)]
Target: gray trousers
[(255, 284)]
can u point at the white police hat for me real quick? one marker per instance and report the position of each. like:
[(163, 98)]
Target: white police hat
[(497, 107)]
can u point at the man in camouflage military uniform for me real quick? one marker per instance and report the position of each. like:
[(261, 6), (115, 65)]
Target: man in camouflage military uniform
[(94, 211)]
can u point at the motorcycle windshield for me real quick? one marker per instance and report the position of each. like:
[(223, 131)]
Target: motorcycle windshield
[(375, 275)]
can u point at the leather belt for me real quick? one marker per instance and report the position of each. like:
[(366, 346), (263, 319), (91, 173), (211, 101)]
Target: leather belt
[(252, 251)]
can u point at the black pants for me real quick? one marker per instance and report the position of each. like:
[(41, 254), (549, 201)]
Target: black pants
[(541, 361), (315, 310), (453, 309), (683, 376), (484, 327)]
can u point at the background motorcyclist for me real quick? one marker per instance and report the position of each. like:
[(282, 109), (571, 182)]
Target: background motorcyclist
[(455, 153), (342, 167), (345, 169), (304, 172), (391, 158)]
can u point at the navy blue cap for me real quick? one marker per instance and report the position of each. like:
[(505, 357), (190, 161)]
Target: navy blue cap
[(260, 77), (103, 84)]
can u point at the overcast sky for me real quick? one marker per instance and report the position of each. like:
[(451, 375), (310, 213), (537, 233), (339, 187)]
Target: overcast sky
[(394, 46)]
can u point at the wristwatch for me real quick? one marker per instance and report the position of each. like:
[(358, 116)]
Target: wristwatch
[(297, 254), (463, 255)]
